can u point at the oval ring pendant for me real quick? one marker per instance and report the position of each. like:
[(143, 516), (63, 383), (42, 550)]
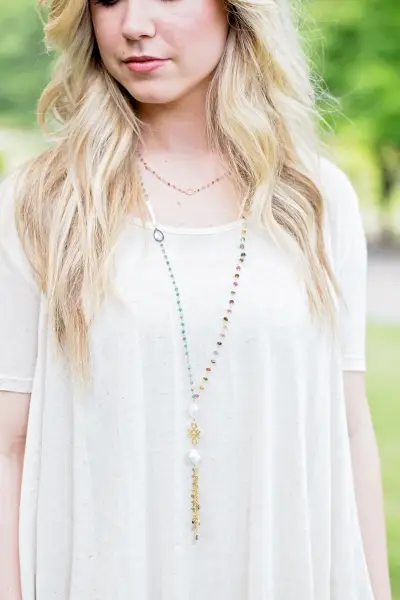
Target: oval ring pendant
[(158, 235)]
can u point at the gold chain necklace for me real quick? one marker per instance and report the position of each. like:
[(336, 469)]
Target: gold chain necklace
[(187, 192)]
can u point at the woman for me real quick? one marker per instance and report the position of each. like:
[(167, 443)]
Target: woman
[(182, 309)]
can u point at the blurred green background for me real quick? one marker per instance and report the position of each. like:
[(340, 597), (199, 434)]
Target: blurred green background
[(354, 48)]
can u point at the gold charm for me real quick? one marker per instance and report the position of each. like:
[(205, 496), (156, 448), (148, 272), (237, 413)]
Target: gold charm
[(194, 433), (195, 502)]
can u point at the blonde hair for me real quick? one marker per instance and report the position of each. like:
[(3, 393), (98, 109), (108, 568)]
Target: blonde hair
[(73, 198)]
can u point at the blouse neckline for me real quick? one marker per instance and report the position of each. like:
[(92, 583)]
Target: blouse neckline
[(187, 230)]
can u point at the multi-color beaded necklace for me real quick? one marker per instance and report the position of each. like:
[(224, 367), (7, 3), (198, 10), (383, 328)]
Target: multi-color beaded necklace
[(194, 431)]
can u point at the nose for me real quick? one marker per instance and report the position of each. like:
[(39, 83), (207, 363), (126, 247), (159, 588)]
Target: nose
[(138, 21)]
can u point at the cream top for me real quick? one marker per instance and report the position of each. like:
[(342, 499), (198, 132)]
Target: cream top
[(105, 507)]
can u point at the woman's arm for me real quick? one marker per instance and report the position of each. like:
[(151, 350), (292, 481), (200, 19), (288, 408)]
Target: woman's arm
[(367, 482), (14, 409)]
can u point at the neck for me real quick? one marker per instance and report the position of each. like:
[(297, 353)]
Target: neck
[(177, 128)]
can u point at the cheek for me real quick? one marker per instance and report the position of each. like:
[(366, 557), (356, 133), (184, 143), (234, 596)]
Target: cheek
[(199, 32), (106, 31)]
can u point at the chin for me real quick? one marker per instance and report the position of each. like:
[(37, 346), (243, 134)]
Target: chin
[(154, 92), (152, 97)]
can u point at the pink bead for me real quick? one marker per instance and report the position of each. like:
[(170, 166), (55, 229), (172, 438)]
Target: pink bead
[(196, 396), (235, 283), (238, 268)]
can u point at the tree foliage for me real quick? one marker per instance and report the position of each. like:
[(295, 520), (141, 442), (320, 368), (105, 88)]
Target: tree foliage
[(359, 57), (357, 51), (24, 63)]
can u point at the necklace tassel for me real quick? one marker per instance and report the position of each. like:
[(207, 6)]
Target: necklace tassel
[(195, 502)]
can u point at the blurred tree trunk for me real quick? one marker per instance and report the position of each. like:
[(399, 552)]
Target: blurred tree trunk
[(389, 164)]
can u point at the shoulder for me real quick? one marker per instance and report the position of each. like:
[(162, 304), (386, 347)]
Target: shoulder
[(7, 185), (337, 190), (11, 248), (343, 222), (8, 196)]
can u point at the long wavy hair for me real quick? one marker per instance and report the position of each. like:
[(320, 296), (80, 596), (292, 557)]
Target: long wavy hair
[(73, 198)]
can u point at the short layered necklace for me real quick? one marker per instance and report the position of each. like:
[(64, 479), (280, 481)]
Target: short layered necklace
[(193, 429), (187, 192)]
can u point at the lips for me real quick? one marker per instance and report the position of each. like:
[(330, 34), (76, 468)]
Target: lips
[(144, 64), (141, 59)]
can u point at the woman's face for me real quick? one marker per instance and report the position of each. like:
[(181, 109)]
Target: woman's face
[(189, 35)]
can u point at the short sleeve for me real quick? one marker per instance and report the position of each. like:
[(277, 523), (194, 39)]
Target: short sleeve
[(19, 302), (349, 254)]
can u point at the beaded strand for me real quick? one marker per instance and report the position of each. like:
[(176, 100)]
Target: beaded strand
[(194, 432), (188, 192)]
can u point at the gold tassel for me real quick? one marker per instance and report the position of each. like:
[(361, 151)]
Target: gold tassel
[(195, 502), (195, 434)]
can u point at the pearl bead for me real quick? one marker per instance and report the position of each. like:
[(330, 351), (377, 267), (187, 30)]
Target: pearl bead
[(193, 409), (194, 457)]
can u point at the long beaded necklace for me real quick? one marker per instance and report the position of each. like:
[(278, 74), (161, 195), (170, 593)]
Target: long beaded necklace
[(194, 432), (188, 192)]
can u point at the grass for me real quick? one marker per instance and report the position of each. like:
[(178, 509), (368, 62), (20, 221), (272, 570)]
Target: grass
[(383, 383)]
